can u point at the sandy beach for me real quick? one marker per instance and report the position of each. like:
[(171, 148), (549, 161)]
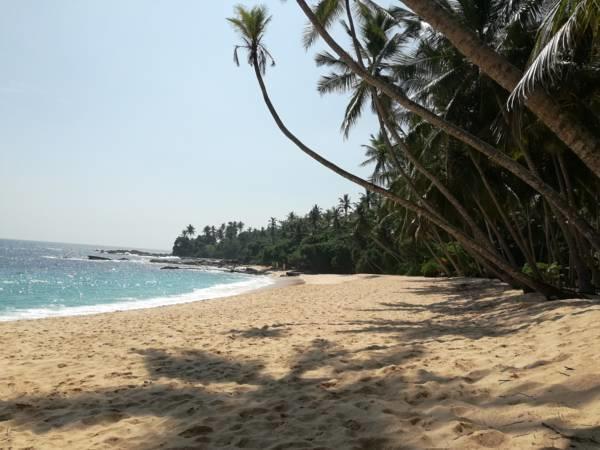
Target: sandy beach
[(355, 362)]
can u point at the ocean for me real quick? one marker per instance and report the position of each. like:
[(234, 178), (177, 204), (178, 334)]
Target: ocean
[(42, 279)]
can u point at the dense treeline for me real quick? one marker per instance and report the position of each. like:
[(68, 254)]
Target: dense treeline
[(350, 237), (488, 138)]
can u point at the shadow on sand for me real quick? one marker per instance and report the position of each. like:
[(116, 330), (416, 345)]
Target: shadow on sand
[(214, 401)]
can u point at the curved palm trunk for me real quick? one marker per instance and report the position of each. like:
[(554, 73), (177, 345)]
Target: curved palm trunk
[(501, 241), (468, 243), (582, 141), (462, 135), (385, 124), (584, 275), (426, 173), (441, 263), (455, 265), (514, 232), (477, 257), (355, 41)]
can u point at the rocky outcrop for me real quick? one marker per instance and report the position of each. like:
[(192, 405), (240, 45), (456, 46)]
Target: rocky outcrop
[(205, 262), (98, 258), (252, 270), (230, 265), (134, 252)]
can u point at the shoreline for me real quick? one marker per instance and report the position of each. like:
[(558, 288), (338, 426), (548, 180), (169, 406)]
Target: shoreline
[(365, 362), (278, 281), (218, 291)]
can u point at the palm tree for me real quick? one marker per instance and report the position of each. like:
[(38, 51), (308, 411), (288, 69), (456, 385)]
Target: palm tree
[(457, 132), (191, 231), (251, 26), (335, 218), (272, 227), (221, 232), (441, 79), (378, 48), (314, 215), (377, 154), (566, 25), (345, 204), (581, 140)]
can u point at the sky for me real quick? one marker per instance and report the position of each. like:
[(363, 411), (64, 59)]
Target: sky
[(122, 121)]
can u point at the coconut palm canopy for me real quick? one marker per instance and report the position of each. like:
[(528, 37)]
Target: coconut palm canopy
[(251, 25)]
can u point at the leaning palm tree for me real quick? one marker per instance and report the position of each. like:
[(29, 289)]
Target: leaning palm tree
[(478, 144), (379, 43), (440, 15), (251, 25)]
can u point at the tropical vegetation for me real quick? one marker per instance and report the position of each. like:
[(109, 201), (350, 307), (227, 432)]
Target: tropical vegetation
[(349, 237), (487, 152)]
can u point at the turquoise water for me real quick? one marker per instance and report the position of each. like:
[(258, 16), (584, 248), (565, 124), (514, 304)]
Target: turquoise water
[(41, 279)]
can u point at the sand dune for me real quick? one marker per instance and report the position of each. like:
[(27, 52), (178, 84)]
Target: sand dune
[(338, 363)]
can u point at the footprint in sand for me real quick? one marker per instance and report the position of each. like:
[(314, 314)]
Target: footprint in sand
[(489, 438), (110, 417), (197, 430), (251, 412), (463, 428)]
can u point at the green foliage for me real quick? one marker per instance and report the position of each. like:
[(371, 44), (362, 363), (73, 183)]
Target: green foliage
[(503, 220), (551, 273), (431, 268), (343, 239)]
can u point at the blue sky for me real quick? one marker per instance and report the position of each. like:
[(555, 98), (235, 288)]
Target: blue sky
[(122, 121)]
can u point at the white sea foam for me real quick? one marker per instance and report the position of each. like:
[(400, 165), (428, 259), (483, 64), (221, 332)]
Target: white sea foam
[(163, 258), (216, 291)]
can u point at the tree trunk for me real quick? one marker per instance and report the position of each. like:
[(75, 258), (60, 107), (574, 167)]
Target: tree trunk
[(501, 241), (582, 141), (455, 265), (462, 135), (437, 258), (515, 234), (468, 243), (584, 275), (383, 116)]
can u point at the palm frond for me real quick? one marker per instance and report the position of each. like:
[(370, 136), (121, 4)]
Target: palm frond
[(557, 39), (336, 83), (326, 11), (355, 108), (327, 59)]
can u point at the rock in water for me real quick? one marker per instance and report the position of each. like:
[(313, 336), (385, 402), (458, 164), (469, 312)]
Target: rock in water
[(98, 258)]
